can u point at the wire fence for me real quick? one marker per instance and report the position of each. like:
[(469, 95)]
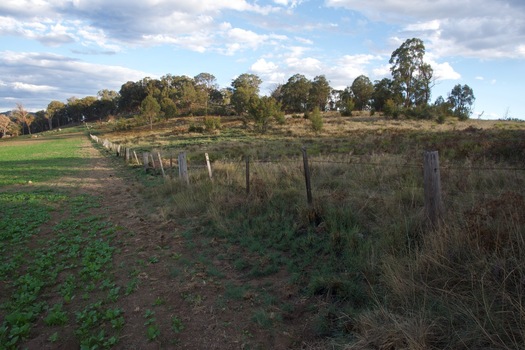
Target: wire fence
[(368, 178)]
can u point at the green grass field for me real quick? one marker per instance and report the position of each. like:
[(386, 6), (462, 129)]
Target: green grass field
[(38, 160), (55, 258)]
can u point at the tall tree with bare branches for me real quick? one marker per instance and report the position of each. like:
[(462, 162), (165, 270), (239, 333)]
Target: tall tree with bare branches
[(23, 116)]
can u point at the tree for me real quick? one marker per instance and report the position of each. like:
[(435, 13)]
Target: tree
[(316, 119), (319, 93), (131, 96), (23, 116), (245, 87), (207, 83), (263, 110), (150, 108), (169, 108), (4, 124), (54, 110), (295, 94), (384, 90), (363, 90), (461, 99), (185, 94), (411, 73)]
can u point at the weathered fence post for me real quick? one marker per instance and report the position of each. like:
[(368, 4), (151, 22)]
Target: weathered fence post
[(307, 176), (171, 165), (136, 158), (183, 167), (128, 155), (208, 165), (161, 166), (152, 160), (432, 187), (145, 160), (247, 174)]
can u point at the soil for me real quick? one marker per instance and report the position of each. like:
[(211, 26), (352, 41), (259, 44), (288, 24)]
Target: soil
[(186, 276)]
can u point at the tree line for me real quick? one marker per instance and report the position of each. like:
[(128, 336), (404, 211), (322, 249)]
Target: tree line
[(407, 93)]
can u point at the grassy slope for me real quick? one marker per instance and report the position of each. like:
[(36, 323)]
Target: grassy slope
[(389, 280)]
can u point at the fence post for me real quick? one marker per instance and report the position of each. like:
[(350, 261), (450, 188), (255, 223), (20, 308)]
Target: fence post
[(183, 167), (432, 187), (136, 158), (247, 158), (208, 165), (152, 160), (307, 176), (145, 160), (171, 165), (128, 155), (161, 166)]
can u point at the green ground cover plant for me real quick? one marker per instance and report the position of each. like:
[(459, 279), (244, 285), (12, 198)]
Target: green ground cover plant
[(70, 260)]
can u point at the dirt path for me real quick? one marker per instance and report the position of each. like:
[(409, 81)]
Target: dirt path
[(182, 286)]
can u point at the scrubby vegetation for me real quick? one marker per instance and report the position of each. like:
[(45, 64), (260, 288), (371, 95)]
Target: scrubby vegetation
[(376, 274)]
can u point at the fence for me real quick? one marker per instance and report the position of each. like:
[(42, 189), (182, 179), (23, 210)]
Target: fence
[(431, 187)]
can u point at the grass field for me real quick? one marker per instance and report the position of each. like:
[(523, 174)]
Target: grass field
[(38, 160), (55, 258), (383, 278), (360, 268)]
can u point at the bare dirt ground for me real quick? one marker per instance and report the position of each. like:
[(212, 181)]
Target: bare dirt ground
[(187, 277)]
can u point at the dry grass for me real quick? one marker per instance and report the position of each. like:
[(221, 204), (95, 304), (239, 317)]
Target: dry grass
[(364, 245)]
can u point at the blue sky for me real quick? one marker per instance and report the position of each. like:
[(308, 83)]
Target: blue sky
[(53, 50)]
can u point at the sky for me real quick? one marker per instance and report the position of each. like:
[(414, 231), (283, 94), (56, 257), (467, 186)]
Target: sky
[(55, 50)]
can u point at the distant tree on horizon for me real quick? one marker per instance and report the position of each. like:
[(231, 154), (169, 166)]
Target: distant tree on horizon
[(23, 116)]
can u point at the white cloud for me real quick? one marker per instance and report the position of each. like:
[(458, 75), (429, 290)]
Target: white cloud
[(261, 66), (35, 79), (487, 29), (32, 88), (269, 72)]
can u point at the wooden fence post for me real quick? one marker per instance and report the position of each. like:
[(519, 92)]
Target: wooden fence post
[(208, 165), (161, 166), (183, 167), (128, 155), (247, 174), (136, 158), (307, 176), (432, 187), (152, 160), (145, 160), (171, 165)]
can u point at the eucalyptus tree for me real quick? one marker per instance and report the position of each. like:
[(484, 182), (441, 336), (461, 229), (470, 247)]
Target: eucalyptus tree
[(295, 94), (362, 90), (386, 90), (461, 99), (5, 121), (23, 116), (150, 109), (55, 111), (244, 88), (411, 73), (131, 96), (207, 84), (319, 93)]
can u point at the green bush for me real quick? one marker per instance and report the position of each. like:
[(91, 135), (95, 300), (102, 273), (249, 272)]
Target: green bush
[(212, 123), (317, 120)]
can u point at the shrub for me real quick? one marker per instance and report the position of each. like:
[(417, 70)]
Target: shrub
[(348, 108), (316, 119), (212, 123), (392, 109)]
